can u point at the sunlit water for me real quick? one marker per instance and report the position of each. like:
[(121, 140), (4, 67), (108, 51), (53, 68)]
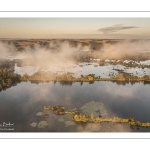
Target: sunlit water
[(21, 103), (105, 71)]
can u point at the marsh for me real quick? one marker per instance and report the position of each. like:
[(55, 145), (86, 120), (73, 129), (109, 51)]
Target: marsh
[(33, 75)]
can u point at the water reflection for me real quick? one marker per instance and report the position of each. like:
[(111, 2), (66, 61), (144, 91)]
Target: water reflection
[(21, 103), (29, 70), (104, 71)]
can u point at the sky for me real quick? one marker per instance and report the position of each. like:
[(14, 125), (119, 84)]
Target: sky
[(75, 28)]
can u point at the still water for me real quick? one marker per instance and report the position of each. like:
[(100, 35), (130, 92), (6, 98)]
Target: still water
[(23, 104), (104, 71)]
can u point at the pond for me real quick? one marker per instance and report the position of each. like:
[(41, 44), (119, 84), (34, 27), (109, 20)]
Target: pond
[(23, 105)]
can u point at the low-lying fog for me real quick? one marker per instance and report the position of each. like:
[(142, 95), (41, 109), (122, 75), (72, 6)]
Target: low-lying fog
[(62, 57)]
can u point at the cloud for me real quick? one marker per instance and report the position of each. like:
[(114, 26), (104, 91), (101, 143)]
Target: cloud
[(115, 28)]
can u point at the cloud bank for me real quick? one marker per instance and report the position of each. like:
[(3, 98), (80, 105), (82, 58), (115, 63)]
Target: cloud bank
[(115, 28)]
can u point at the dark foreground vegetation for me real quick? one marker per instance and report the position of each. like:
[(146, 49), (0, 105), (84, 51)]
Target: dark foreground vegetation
[(8, 79)]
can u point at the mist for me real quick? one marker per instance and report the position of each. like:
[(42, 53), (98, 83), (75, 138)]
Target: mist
[(59, 53), (51, 56), (123, 49), (5, 49), (54, 54)]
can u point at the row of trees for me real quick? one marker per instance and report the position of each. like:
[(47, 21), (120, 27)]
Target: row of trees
[(8, 79), (46, 76), (84, 78)]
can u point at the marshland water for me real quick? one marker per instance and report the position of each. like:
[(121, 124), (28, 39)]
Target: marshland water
[(24, 93)]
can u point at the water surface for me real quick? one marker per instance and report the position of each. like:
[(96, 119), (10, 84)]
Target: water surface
[(21, 103)]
